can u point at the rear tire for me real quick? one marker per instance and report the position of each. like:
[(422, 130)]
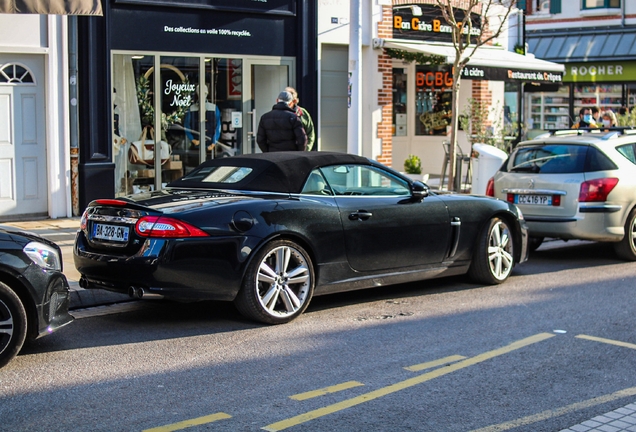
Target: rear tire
[(278, 284), (13, 324), (626, 248), (493, 257)]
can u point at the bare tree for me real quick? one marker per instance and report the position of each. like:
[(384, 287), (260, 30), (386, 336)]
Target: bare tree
[(492, 16)]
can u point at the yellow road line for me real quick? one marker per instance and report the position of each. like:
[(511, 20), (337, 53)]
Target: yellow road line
[(320, 412), (326, 390), (189, 423), (559, 411), (607, 341), (431, 364)]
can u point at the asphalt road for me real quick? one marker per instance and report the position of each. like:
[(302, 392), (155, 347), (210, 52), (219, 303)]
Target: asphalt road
[(550, 348)]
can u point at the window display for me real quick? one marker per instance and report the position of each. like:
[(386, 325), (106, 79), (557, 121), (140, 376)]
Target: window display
[(399, 102), (196, 100), (432, 100)]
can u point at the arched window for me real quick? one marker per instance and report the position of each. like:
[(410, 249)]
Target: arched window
[(13, 73)]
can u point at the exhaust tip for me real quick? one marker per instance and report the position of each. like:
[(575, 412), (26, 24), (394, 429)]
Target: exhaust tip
[(135, 292), (83, 283)]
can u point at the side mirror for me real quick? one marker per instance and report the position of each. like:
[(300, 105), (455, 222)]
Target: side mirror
[(419, 191)]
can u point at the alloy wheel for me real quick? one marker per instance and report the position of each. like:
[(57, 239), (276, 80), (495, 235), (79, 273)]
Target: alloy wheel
[(500, 251), (7, 326), (283, 281)]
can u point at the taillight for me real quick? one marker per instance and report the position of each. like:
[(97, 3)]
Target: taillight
[(490, 187), (596, 190), (84, 220), (165, 227)]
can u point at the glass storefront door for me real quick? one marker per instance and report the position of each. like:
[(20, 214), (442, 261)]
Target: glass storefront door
[(266, 78), (196, 108)]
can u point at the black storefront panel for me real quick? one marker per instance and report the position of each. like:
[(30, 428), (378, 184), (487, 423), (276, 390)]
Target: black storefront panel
[(203, 31)]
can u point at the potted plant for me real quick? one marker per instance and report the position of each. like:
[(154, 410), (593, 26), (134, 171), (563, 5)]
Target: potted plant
[(413, 168)]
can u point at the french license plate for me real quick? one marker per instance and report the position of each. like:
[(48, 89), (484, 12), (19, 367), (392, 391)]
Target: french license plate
[(110, 232), (533, 199)]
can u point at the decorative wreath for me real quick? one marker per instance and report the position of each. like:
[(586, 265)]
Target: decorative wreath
[(147, 108)]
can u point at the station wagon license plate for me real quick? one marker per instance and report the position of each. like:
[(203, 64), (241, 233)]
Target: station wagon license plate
[(110, 232), (534, 199)]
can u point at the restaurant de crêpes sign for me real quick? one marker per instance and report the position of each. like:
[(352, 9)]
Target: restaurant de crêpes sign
[(439, 78), (430, 25), (279, 7)]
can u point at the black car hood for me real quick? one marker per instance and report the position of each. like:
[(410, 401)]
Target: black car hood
[(22, 237), (176, 200)]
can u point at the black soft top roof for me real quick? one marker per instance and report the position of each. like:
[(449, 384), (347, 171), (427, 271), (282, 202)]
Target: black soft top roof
[(283, 172)]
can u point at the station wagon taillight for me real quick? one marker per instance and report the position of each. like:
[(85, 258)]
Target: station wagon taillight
[(490, 187), (165, 227), (597, 190)]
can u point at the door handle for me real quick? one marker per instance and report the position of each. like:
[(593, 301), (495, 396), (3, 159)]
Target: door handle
[(360, 215)]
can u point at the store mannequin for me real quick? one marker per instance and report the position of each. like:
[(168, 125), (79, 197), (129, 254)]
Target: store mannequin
[(212, 121)]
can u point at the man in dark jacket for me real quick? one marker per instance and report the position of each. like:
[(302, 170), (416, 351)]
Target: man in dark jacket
[(281, 129)]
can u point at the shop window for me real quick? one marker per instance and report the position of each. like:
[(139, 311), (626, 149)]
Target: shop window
[(196, 99), (14, 73), (596, 4), (432, 100), (399, 102)]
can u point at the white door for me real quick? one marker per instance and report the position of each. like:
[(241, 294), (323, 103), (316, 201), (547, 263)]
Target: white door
[(333, 98), (266, 78), (23, 187)]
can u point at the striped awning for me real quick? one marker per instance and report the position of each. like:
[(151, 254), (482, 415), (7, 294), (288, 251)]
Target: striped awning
[(584, 45)]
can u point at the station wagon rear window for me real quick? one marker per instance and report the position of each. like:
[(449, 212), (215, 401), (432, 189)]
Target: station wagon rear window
[(219, 174), (559, 159)]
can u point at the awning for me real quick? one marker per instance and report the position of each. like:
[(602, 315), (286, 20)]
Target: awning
[(584, 45), (489, 62), (51, 7)]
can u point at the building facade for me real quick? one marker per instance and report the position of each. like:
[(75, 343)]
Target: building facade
[(406, 102), (189, 79), (596, 41), (35, 168)]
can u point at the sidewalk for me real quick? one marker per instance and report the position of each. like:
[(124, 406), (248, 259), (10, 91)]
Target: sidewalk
[(62, 232)]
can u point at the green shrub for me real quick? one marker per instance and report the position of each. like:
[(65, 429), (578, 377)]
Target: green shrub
[(413, 165)]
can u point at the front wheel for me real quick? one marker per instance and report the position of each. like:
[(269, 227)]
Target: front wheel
[(493, 257), (626, 248), (278, 284), (13, 324)]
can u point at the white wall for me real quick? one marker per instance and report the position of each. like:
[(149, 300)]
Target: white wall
[(46, 35), (572, 16)]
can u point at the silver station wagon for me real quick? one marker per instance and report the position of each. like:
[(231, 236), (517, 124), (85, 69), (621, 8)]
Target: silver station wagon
[(574, 184)]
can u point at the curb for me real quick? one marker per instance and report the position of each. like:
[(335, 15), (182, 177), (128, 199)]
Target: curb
[(85, 298)]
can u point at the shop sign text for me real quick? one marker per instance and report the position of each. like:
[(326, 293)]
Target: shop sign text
[(431, 26), (176, 89), (600, 72)]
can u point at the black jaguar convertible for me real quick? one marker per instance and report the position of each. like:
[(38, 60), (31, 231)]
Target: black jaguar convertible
[(269, 231)]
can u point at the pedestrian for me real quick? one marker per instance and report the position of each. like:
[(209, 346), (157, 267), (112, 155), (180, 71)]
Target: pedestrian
[(585, 119), (281, 129), (609, 118), (596, 115), (305, 119)]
